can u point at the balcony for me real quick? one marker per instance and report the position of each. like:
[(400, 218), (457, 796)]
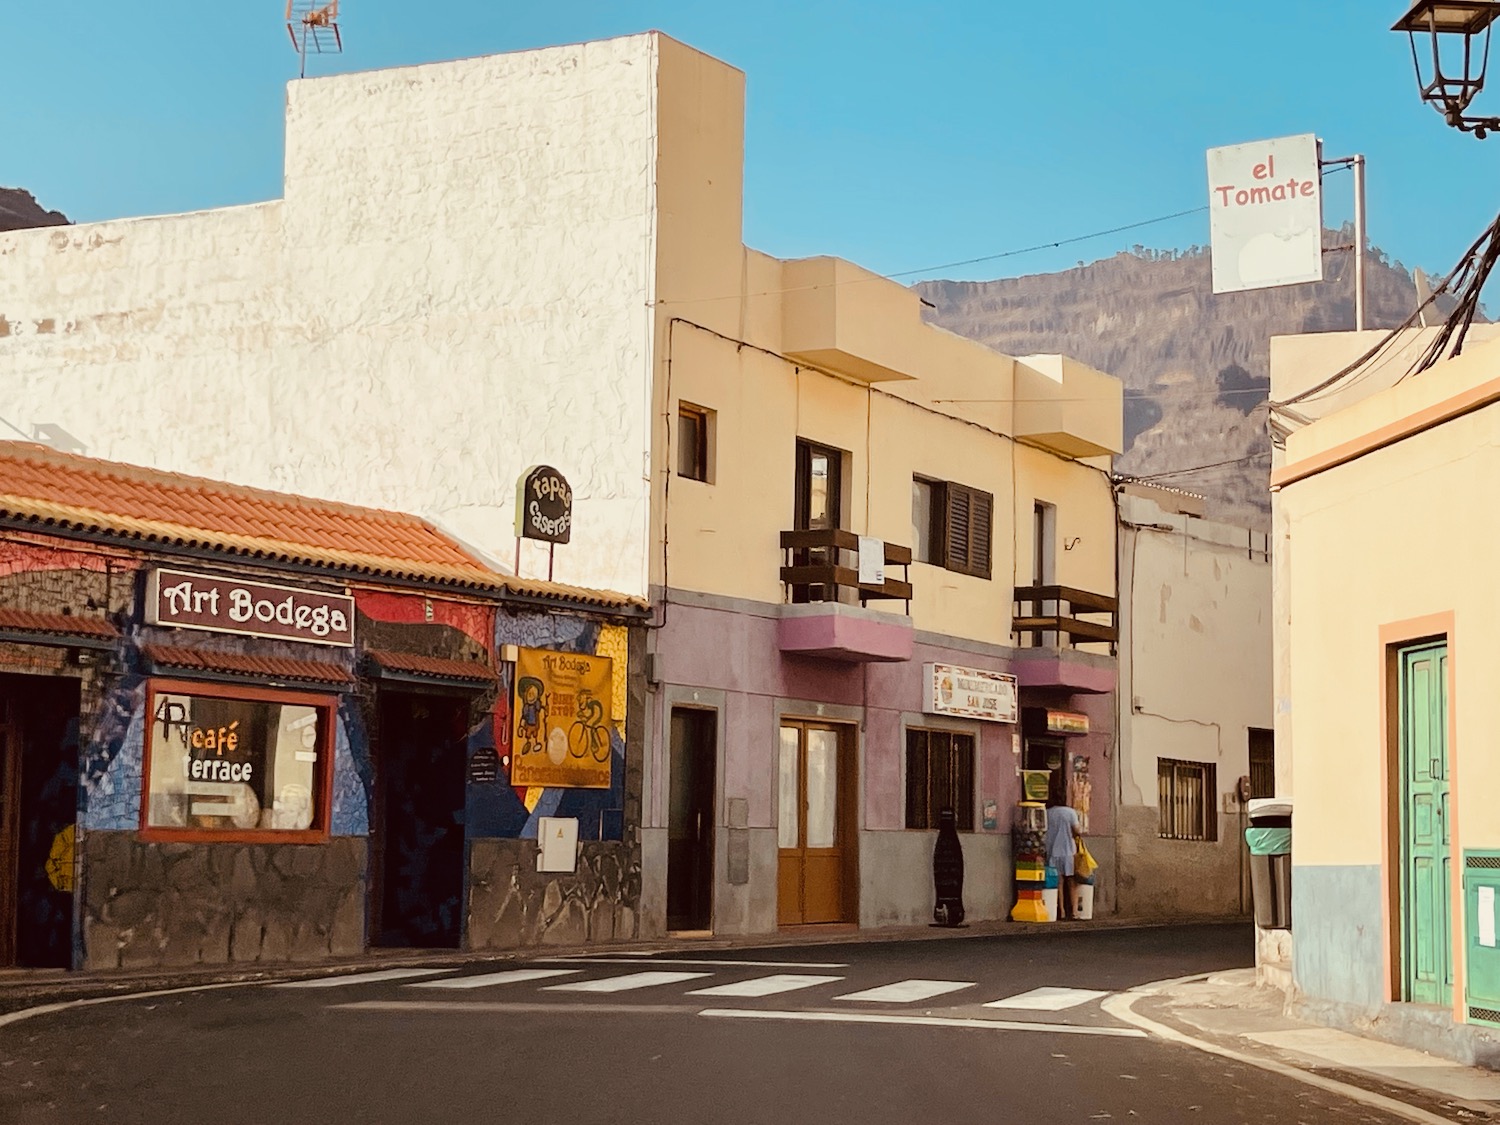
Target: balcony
[(1061, 611), (827, 614)]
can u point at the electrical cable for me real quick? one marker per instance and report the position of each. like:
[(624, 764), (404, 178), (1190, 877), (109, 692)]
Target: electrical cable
[(943, 265)]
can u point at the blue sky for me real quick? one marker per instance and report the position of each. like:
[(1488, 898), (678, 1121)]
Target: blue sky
[(899, 135)]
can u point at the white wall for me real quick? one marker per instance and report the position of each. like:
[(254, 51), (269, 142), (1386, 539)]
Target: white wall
[(455, 286), (1196, 643)]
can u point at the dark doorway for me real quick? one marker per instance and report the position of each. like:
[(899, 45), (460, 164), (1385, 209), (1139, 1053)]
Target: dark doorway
[(1050, 754), (417, 885), (38, 813), (690, 820)]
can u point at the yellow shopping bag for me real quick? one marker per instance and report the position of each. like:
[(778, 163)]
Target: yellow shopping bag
[(1084, 863)]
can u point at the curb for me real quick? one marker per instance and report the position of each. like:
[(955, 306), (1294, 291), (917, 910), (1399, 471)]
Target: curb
[(1121, 1006)]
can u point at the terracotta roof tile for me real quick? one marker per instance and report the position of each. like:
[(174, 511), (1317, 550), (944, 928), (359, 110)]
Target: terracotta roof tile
[(175, 658), (46, 488), (25, 621), (435, 666)]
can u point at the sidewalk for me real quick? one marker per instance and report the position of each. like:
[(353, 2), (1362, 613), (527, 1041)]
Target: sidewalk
[(1230, 1015), (24, 988)]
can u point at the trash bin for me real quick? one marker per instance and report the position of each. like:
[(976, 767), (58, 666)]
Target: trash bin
[(1269, 839), (1083, 898)]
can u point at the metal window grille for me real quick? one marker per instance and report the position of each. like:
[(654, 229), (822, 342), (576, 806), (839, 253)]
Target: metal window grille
[(1186, 793)]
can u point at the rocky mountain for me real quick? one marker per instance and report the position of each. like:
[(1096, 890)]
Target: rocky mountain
[(1195, 365), (19, 210)]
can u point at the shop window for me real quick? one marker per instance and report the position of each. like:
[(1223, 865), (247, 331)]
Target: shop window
[(695, 442), (1262, 763), (1187, 795), (952, 526), (939, 775), (236, 763)]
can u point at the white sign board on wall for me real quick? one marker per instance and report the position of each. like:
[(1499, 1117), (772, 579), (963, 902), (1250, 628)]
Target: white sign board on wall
[(1265, 206), (973, 693)]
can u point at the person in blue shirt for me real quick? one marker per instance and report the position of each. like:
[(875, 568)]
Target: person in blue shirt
[(1063, 835)]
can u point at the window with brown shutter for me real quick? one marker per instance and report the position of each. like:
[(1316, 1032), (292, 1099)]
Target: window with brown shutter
[(970, 524)]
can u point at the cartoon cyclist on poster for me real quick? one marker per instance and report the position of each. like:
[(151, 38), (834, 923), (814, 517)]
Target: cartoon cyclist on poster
[(533, 697)]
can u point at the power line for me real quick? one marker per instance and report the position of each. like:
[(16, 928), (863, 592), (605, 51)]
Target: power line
[(946, 265), (1049, 245), (1143, 478)]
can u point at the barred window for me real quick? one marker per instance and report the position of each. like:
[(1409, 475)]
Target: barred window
[(1187, 793), (939, 775)]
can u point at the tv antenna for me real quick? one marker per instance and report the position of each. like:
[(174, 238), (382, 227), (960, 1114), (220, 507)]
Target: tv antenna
[(313, 27)]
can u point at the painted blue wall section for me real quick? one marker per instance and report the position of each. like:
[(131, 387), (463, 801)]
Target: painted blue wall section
[(109, 790), (494, 808), (351, 774), (1337, 944)]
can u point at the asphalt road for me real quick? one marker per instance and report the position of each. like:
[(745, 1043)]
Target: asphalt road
[(992, 1030)]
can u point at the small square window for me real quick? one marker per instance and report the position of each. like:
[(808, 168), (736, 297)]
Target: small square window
[(695, 443), (1187, 800)]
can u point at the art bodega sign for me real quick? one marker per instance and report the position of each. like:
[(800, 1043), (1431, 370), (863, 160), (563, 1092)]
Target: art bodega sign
[(970, 692), (184, 600), (562, 720), (544, 506), (1265, 206)]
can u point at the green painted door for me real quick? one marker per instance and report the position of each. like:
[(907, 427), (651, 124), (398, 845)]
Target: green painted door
[(1427, 949)]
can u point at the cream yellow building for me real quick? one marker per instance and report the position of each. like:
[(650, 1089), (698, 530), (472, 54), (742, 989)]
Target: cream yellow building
[(1386, 664)]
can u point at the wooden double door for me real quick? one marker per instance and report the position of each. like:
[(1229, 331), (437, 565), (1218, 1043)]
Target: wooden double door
[(817, 824)]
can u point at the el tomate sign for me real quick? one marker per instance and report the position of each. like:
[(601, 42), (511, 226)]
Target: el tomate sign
[(1265, 207), (185, 600)]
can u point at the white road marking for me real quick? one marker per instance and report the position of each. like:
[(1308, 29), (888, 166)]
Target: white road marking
[(630, 960), (920, 1021), (908, 991), (360, 978), (468, 1007), (625, 983), (1048, 999), (765, 986), (484, 980)]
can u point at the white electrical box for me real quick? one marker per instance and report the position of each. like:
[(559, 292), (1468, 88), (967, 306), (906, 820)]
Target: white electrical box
[(557, 837)]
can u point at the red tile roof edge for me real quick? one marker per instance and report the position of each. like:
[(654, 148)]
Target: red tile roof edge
[(236, 663), (436, 666), (66, 624)]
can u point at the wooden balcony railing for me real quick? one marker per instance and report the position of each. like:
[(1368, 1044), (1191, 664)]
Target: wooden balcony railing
[(1060, 611), (817, 568)]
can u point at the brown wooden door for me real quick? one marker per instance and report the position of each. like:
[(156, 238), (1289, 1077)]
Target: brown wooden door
[(815, 825), (10, 828)]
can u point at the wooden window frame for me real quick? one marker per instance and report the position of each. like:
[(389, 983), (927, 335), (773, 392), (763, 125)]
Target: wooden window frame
[(1261, 744), (703, 447), (963, 811), (963, 528), (937, 515), (319, 833), (1168, 828)]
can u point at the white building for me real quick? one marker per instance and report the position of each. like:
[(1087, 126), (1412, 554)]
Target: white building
[(1195, 703)]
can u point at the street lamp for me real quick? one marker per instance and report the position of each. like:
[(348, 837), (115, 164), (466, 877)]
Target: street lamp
[(1450, 91)]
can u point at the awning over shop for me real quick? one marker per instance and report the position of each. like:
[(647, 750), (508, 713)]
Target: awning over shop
[(62, 629), (436, 671), (246, 667)]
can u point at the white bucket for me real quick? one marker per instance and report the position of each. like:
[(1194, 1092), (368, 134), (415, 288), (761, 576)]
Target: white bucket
[(1083, 901), (1049, 900)]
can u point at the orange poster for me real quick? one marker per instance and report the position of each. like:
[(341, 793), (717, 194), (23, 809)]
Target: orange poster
[(562, 720)]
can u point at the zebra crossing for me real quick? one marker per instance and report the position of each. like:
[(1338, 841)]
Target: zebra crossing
[(628, 975)]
